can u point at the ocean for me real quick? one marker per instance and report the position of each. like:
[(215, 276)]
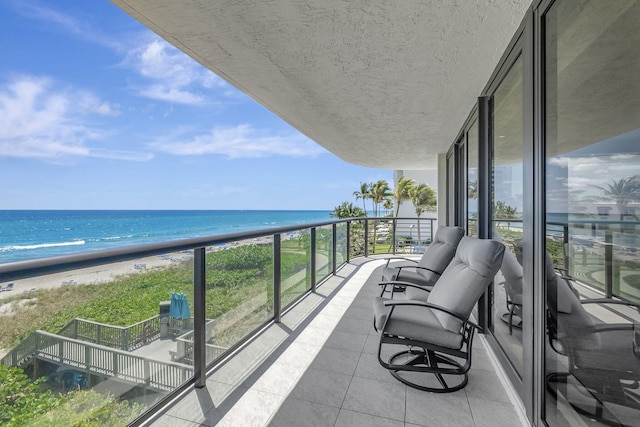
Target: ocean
[(43, 233)]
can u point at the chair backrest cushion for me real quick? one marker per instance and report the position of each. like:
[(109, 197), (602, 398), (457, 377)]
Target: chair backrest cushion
[(571, 321), (440, 252), (513, 276), (465, 279)]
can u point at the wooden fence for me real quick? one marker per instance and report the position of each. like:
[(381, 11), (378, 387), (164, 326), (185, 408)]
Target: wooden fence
[(125, 338), (101, 360)]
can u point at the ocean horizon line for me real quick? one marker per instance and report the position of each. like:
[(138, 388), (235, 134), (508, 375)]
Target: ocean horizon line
[(38, 233)]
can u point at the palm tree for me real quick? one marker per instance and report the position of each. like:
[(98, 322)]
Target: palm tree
[(472, 189), (503, 211), (378, 192), (402, 190), (387, 204), (424, 199), (347, 210), (364, 193), (622, 192)]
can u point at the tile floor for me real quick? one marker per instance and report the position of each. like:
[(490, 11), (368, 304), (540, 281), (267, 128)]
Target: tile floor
[(319, 368)]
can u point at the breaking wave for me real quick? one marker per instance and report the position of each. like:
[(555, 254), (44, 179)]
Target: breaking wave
[(40, 246)]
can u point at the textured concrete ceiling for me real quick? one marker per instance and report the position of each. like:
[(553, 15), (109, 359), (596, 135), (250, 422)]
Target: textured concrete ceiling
[(379, 83)]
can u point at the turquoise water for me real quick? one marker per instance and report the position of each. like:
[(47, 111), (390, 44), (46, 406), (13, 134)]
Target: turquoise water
[(37, 234)]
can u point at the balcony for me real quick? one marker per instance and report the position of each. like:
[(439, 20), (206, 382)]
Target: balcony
[(296, 343), (319, 367)]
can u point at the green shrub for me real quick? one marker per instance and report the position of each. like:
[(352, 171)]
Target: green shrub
[(21, 399)]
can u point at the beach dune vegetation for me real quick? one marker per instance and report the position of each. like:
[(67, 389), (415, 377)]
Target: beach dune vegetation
[(233, 275)]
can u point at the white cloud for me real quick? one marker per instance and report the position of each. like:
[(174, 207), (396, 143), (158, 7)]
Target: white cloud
[(562, 162), (174, 76), (171, 94), (241, 141), (131, 156), (82, 26), (40, 120)]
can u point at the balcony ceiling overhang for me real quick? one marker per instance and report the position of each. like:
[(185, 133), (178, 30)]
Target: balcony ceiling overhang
[(379, 84)]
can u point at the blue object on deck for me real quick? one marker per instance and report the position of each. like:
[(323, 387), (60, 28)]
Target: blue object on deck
[(179, 308), (185, 313), (174, 310)]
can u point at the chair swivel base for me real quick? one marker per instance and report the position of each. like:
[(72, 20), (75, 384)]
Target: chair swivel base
[(420, 361)]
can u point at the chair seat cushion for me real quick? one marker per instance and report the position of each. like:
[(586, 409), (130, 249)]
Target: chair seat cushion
[(407, 275), (380, 312), (615, 353), (418, 323)]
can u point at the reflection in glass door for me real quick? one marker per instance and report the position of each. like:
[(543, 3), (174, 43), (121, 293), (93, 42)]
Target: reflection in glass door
[(592, 144), (472, 180), (507, 212)]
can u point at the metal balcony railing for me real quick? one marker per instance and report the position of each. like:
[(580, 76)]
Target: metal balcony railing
[(328, 245)]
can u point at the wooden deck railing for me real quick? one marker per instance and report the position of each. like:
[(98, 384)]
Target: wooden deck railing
[(108, 362), (125, 338)]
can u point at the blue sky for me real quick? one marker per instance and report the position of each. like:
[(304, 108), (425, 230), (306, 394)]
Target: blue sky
[(97, 112)]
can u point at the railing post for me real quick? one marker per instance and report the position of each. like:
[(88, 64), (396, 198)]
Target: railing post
[(313, 259), (98, 334), (334, 227), (366, 237), (348, 240), (394, 222), (431, 235), (124, 342), (37, 343), (87, 358), (608, 263), (199, 339), (61, 350), (75, 328), (115, 364), (277, 277), (146, 371), (565, 248)]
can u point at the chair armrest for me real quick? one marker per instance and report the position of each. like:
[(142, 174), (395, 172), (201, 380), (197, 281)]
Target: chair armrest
[(415, 303), (609, 301), (595, 329), (400, 259), (401, 283), (417, 267)]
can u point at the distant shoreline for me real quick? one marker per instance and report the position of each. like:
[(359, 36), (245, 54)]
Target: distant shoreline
[(106, 273)]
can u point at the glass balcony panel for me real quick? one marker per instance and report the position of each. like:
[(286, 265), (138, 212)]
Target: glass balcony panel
[(101, 338), (324, 252), (626, 263), (586, 251), (239, 292), (380, 232), (295, 266), (341, 244), (357, 238)]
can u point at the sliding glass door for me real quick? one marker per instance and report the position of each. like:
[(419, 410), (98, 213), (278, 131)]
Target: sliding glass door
[(592, 144)]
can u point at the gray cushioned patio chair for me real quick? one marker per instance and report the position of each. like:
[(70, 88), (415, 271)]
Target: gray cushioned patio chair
[(438, 330), (603, 359), (426, 271), (513, 279)]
